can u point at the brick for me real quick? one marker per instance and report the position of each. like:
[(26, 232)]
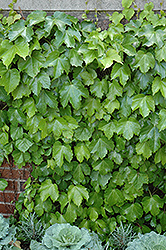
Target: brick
[(6, 208), (7, 197), (22, 174), (13, 185)]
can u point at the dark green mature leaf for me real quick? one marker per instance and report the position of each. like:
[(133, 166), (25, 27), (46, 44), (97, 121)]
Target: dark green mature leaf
[(107, 128), (161, 53), (159, 84), (160, 156), (101, 146), (29, 106), (114, 90), (133, 211), (152, 36), (144, 148), (21, 90), (111, 55), (10, 80), (103, 166), (160, 69), (121, 71), (8, 50), (91, 105), (114, 197), (144, 103), (19, 29), (77, 193), (143, 80), (128, 127), (84, 132), (75, 59), (125, 109), (23, 144), (60, 152), (144, 61), (99, 88), (81, 151), (152, 204), (33, 64), (162, 121), (72, 92), (48, 189), (46, 98)]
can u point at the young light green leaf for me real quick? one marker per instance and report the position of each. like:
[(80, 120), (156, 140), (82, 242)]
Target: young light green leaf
[(23, 144), (144, 103), (84, 132), (114, 197), (8, 50), (77, 193), (3, 184), (108, 128), (60, 152), (111, 55), (126, 3), (48, 189)]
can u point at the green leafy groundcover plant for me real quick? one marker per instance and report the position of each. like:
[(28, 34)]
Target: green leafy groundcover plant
[(87, 109)]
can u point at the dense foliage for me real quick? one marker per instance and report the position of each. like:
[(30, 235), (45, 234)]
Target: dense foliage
[(87, 109)]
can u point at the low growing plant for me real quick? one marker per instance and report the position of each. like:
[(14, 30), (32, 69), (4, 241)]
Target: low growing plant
[(65, 236), (148, 241), (121, 237), (7, 234)]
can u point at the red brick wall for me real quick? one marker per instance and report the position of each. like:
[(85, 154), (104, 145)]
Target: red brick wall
[(16, 179)]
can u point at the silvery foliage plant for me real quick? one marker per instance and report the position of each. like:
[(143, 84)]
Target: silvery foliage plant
[(65, 236)]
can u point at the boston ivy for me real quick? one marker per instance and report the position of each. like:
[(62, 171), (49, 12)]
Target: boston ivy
[(87, 109)]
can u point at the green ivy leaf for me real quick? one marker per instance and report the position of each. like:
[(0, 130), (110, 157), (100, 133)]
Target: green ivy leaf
[(29, 106), (10, 80), (8, 50), (19, 29), (126, 3), (144, 103), (48, 189), (77, 193), (133, 211), (159, 84), (99, 88), (161, 53), (144, 148), (128, 127), (114, 90), (60, 152), (33, 64), (114, 197), (107, 128), (46, 98), (160, 156), (162, 122), (144, 61), (4, 138), (91, 105), (103, 166), (83, 133), (21, 90), (111, 55), (152, 204), (78, 174), (121, 71), (72, 92), (81, 151), (75, 58), (3, 184), (23, 144), (101, 146), (70, 214), (36, 17), (152, 36)]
